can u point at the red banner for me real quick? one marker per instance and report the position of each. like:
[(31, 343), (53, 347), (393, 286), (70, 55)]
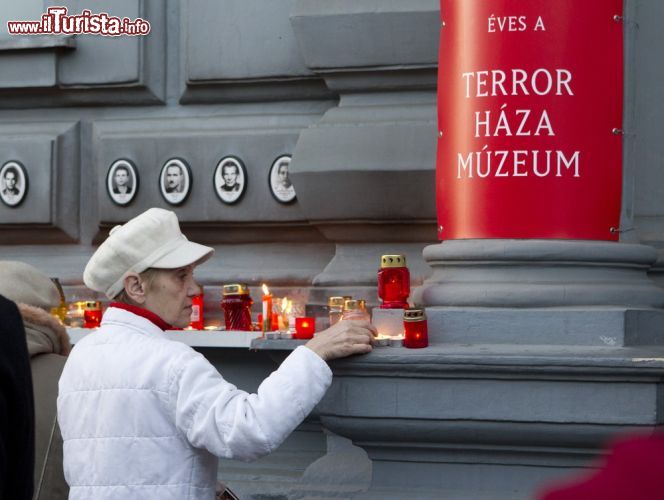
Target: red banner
[(530, 117)]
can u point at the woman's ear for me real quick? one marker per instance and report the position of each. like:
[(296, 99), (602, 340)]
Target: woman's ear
[(134, 288)]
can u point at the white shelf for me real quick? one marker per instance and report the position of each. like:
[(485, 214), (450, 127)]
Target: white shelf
[(195, 338)]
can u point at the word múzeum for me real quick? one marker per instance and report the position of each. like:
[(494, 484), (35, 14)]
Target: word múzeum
[(517, 163)]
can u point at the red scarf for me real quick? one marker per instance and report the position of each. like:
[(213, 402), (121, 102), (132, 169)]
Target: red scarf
[(144, 313)]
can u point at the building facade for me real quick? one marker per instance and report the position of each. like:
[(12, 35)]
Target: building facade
[(541, 350)]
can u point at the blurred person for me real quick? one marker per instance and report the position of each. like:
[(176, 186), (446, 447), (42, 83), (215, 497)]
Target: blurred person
[(143, 416), (632, 470), (48, 344), (17, 420)]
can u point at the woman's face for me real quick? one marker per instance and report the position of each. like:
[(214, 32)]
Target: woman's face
[(170, 295)]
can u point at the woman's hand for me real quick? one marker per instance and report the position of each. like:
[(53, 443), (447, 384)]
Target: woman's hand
[(343, 339)]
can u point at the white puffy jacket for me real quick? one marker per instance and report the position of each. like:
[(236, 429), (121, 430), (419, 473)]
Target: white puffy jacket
[(144, 417)]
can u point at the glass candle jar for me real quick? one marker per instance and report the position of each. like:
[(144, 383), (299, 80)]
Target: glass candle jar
[(415, 329), (305, 327), (60, 311), (236, 304), (354, 310), (335, 309), (197, 316), (91, 314), (393, 282)]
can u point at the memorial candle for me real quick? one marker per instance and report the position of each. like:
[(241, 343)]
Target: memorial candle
[(197, 316), (286, 306), (415, 328), (305, 327), (393, 282), (236, 304), (267, 309), (92, 314)]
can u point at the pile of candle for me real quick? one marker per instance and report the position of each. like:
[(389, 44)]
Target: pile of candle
[(82, 314), (284, 319)]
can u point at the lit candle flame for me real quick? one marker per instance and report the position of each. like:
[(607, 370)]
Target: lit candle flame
[(266, 290), (286, 305)]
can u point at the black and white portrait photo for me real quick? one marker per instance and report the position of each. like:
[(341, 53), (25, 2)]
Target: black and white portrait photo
[(175, 181), (122, 182), (280, 185), (13, 183), (230, 179)]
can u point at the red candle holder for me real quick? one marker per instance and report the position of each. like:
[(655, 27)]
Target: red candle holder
[(236, 304), (92, 314), (197, 319), (415, 329), (393, 282), (304, 327)]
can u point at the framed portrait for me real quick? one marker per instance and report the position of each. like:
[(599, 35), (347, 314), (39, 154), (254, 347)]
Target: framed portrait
[(280, 185), (230, 179), (175, 181), (13, 183), (122, 182)]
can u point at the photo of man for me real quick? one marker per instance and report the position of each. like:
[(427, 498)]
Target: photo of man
[(10, 179), (280, 183), (230, 179), (13, 183), (230, 173), (122, 182), (175, 181)]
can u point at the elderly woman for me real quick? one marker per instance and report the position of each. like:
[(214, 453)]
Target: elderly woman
[(48, 344), (144, 417)]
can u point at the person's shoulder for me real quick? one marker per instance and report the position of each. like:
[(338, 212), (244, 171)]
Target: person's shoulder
[(153, 350)]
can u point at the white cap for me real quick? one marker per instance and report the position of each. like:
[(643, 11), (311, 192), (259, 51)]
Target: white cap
[(152, 239)]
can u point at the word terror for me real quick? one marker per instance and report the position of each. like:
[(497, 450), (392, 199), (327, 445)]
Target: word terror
[(517, 82), (518, 163)]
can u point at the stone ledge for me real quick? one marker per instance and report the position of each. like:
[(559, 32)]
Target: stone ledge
[(600, 326), (28, 43)]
